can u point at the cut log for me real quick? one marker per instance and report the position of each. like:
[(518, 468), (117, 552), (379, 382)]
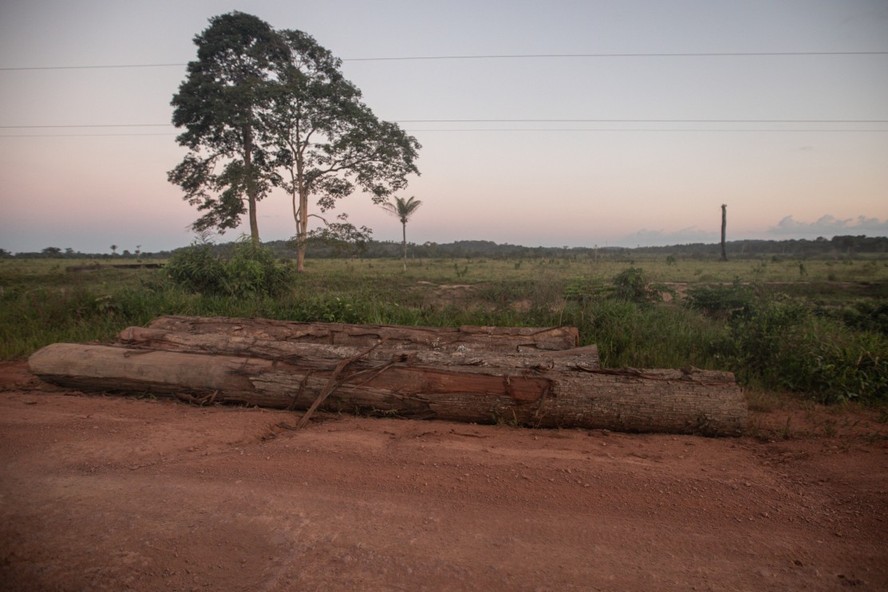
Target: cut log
[(505, 339), (319, 355), (674, 401)]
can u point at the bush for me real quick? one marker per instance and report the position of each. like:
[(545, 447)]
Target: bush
[(834, 364), (197, 269), (639, 335), (781, 343), (633, 285), (758, 330), (720, 302), (250, 271), (867, 316)]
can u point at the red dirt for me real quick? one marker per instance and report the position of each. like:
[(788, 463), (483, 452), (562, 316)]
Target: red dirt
[(113, 493)]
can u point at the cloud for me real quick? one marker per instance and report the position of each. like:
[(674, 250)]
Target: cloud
[(788, 227), (827, 226)]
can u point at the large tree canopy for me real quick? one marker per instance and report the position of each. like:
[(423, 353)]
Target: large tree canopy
[(218, 104), (264, 108), (329, 142)]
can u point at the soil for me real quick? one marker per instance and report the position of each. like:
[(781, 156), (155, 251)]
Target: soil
[(101, 492)]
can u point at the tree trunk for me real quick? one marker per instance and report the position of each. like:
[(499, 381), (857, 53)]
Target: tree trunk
[(252, 196), (466, 338), (322, 354), (629, 400), (404, 241), (724, 253), (302, 231)]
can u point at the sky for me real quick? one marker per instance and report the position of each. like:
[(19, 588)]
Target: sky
[(585, 149)]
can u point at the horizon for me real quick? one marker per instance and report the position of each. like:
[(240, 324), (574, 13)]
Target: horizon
[(826, 227)]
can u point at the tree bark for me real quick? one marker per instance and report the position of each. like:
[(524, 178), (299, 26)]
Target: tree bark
[(252, 197), (404, 241), (676, 401), (466, 338), (287, 350), (302, 229)]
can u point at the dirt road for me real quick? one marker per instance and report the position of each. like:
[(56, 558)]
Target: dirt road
[(112, 493)]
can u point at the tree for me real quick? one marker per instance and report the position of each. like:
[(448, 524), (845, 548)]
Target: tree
[(218, 106), (403, 209), (113, 250), (343, 236), (329, 143)]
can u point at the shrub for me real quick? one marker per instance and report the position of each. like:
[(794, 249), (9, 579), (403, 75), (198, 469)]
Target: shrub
[(834, 364), (633, 285), (639, 335), (720, 301), (781, 343), (867, 316), (197, 269), (757, 330), (250, 271)]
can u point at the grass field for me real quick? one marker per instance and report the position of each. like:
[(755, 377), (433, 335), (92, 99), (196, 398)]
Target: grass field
[(817, 327)]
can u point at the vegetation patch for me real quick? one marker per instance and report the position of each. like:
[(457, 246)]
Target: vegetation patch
[(250, 270), (787, 335)]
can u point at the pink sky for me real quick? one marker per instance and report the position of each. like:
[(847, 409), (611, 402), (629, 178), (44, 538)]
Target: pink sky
[(656, 185)]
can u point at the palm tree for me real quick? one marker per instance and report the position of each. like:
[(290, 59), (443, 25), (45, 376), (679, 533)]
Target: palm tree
[(403, 209)]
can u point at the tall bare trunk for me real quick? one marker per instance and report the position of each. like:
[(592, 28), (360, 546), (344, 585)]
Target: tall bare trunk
[(404, 241), (301, 230), (724, 253)]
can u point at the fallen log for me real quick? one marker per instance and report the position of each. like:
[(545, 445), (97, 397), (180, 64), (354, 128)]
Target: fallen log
[(676, 401), (253, 345), (505, 339)]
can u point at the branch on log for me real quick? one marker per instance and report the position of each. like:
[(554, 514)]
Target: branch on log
[(332, 383)]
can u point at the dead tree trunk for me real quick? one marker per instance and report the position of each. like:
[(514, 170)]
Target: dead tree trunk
[(252, 345), (724, 253), (628, 400), (467, 338)]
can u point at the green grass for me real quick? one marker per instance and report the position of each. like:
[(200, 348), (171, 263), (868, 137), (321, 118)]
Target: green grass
[(820, 331)]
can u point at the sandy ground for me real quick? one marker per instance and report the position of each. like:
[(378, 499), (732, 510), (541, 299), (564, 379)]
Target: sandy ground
[(112, 493)]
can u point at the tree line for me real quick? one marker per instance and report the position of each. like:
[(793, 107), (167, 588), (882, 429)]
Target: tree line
[(838, 246), (325, 247)]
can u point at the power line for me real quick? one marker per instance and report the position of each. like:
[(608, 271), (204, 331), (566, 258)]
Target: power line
[(85, 125), (663, 130), (598, 120), (641, 121), (82, 135), (713, 54), (88, 67), (518, 130), (708, 54)]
